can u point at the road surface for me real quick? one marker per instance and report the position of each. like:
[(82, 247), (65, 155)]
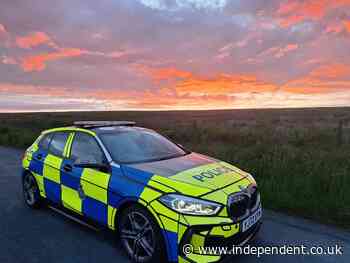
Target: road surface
[(44, 236)]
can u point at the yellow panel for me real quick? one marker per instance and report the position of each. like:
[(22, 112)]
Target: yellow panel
[(159, 186), (213, 176), (160, 224), (96, 177), (68, 129), (204, 220), (162, 209), (184, 186), (26, 160), (40, 182), (225, 231), (148, 194), (197, 241), (95, 184), (66, 152), (52, 168), (203, 258), (223, 212), (182, 260), (182, 229), (94, 191), (235, 187), (217, 196), (71, 199), (111, 217), (169, 224)]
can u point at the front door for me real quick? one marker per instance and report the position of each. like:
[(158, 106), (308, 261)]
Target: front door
[(87, 191)]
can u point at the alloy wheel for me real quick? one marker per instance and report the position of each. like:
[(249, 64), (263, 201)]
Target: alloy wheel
[(29, 189), (137, 235)]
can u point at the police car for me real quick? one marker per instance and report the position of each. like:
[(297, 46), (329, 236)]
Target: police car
[(164, 202)]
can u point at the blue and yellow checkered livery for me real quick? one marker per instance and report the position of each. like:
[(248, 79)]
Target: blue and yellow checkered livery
[(100, 195)]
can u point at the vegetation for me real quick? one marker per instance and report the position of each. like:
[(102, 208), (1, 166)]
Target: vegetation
[(300, 157)]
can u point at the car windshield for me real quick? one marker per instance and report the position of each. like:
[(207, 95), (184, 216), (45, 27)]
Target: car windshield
[(137, 146)]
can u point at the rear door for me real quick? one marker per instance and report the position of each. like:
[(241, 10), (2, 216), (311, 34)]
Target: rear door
[(53, 165), (90, 186), (36, 165)]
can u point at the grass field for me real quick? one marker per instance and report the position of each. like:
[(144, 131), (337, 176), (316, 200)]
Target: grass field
[(300, 157)]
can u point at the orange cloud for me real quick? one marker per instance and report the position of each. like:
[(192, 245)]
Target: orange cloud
[(292, 12), (324, 79), (37, 62), (338, 27), (34, 39), (162, 73), (347, 25), (223, 84), (116, 99), (185, 82), (331, 71)]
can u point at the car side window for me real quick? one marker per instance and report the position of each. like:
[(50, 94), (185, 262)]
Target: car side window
[(86, 150), (58, 143), (45, 142)]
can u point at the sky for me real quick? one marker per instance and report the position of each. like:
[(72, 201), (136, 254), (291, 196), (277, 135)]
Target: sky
[(173, 54)]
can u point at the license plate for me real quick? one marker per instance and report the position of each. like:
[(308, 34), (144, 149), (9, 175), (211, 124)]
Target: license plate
[(251, 220)]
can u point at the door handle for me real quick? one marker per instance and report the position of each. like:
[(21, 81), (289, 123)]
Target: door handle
[(39, 156), (67, 168)]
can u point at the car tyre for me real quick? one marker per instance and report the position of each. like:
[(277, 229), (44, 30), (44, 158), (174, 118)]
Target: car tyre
[(141, 236), (31, 193)]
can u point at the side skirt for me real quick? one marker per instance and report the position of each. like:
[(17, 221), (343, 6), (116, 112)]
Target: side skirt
[(80, 219)]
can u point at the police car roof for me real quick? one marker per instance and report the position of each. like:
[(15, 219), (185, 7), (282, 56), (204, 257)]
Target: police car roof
[(96, 124)]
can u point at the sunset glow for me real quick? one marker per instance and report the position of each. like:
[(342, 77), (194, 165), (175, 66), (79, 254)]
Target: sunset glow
[(166, 55)]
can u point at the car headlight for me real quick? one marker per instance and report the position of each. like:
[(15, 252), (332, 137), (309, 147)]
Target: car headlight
[(190, 206)]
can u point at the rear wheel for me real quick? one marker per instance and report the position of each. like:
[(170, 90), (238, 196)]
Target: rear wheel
[(31, 193), (141, 236)]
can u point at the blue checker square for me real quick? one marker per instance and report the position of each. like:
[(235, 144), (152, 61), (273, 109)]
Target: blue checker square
[(53, 191), (172, 246), (37, 166), (71, 179), (95, 210)]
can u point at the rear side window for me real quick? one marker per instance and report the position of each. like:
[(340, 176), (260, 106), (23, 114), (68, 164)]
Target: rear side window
[(86, 150), (58, 143), (45, 141)]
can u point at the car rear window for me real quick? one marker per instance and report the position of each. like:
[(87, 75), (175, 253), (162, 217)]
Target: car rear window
[(45, 141)]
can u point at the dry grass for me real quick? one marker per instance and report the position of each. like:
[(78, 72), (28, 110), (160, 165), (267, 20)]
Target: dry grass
[(300, 157)]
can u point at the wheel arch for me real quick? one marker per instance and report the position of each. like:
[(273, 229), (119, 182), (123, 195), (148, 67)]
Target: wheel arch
[(132, 202)]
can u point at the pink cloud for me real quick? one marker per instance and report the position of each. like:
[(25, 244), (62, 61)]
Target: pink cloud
[(2, 29)]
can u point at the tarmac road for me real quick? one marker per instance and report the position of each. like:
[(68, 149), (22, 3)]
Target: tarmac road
[(44, 236)]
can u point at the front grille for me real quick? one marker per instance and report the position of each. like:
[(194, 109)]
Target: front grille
[(240, 204)]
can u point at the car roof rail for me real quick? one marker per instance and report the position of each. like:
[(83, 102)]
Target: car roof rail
[(97, 124)]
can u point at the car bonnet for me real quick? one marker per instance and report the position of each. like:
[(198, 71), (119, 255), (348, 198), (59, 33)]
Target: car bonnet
[(193, 174)]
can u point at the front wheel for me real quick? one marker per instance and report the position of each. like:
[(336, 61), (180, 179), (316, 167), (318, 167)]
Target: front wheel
[(141, 236), (31, 192)]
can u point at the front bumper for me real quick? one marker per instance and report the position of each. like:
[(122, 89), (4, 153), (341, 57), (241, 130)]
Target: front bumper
[(212, 243)]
